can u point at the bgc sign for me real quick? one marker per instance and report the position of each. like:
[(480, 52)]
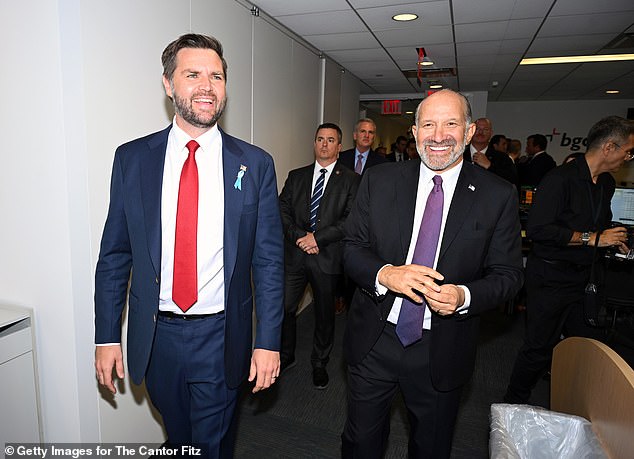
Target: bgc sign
[(566, 141)]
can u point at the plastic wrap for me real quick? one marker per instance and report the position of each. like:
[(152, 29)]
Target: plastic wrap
[(529, 432)]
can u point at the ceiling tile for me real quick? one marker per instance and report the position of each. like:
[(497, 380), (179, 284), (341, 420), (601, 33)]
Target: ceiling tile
[(418, 37), (284, 7), (339, 41), (498, 30), (429, 14), (567, 7), (584, 24), (321, 23), (569, 45)]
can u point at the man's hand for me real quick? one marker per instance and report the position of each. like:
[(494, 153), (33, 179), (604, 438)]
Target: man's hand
[(446, 301), (308, 244), (613, 237), (265, 368), (410, 280), (481, 160), (107, 359)]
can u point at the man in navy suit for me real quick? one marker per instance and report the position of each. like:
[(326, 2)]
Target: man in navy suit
[(362, 157), (314, 209), (477, 265), (190, 331)]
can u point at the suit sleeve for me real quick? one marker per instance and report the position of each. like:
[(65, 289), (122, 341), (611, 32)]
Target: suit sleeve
[(268, 264), (113, 266), (291, 231)]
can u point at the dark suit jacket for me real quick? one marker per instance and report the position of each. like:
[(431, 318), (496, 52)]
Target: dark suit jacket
[(334, 207), (131, 242), (501, 164), (532, 171), (481, 249), (391, 157), (347, 159)]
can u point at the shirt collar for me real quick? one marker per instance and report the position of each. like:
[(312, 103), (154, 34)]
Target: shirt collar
[(452, 174), (205, 140), (319, 167), (364, 154)]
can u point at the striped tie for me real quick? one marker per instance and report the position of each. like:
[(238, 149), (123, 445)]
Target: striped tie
[(314, 201)]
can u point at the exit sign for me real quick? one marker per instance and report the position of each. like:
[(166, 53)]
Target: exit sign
[(391, 107)]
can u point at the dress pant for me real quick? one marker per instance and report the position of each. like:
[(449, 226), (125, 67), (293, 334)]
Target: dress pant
[(372, 385), (186, 383), (323, 286), (554, 305)]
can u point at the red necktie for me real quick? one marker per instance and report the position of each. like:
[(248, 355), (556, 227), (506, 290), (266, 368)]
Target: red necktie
[(185, 285)]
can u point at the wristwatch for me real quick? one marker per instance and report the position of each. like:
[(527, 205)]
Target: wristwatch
[(585, 237)]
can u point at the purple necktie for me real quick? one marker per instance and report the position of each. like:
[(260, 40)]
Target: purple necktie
[(358, 167), (409, 328)]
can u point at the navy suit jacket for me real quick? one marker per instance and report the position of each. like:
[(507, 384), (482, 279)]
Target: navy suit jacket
[(131, 252), (481, 249), (346, 158)]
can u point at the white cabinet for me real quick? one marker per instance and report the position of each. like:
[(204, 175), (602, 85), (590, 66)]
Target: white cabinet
[(19, 400)]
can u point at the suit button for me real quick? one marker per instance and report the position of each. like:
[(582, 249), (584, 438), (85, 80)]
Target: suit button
[(154, 317), (156, 280)]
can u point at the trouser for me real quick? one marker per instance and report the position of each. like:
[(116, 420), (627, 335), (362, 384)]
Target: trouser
[(372, 384), (186, 383), (323, 287), (554, 294)]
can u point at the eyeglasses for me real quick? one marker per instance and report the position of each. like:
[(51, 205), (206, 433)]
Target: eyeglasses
[(628, 154)]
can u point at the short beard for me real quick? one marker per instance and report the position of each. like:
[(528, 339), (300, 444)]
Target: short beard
[(184, 109), (436, 163)]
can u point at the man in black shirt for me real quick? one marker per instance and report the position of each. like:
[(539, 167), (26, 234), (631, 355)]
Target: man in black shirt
[(569, 216)]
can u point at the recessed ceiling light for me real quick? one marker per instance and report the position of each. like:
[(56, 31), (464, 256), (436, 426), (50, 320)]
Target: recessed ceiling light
[(405, 17), (409, 113), (425, 62), (435, 86), (612, 91), (577, 59)]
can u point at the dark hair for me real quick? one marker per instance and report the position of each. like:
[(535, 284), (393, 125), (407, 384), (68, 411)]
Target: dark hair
[(411, 141), (190, 40), (401, 138), (572, 156), (610, 128), (539, 140), (329, 126), (496, 139)]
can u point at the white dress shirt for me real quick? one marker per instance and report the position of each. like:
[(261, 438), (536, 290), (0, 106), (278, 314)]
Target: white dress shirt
[(317, 173), (425, 185), (210, 261)]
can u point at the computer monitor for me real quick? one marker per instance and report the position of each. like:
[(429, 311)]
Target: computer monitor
[(622, 206)]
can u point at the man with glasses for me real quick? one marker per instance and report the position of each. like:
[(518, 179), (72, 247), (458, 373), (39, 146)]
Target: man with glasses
[(569, 219)]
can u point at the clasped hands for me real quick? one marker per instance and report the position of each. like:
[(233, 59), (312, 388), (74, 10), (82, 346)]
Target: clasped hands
[(413, 280), (308, 244)]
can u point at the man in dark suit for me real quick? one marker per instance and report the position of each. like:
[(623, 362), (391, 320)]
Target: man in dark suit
[(362, 157), (399, 153), (315, 202), (194, 217), (479, 152), (413, 324), (538, 162)]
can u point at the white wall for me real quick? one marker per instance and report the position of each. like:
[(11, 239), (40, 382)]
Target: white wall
[(79, 79)]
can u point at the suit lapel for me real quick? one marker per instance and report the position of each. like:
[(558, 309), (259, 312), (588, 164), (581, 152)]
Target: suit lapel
[(405, 198), (462, 203), (232, 161), (151, 167)]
